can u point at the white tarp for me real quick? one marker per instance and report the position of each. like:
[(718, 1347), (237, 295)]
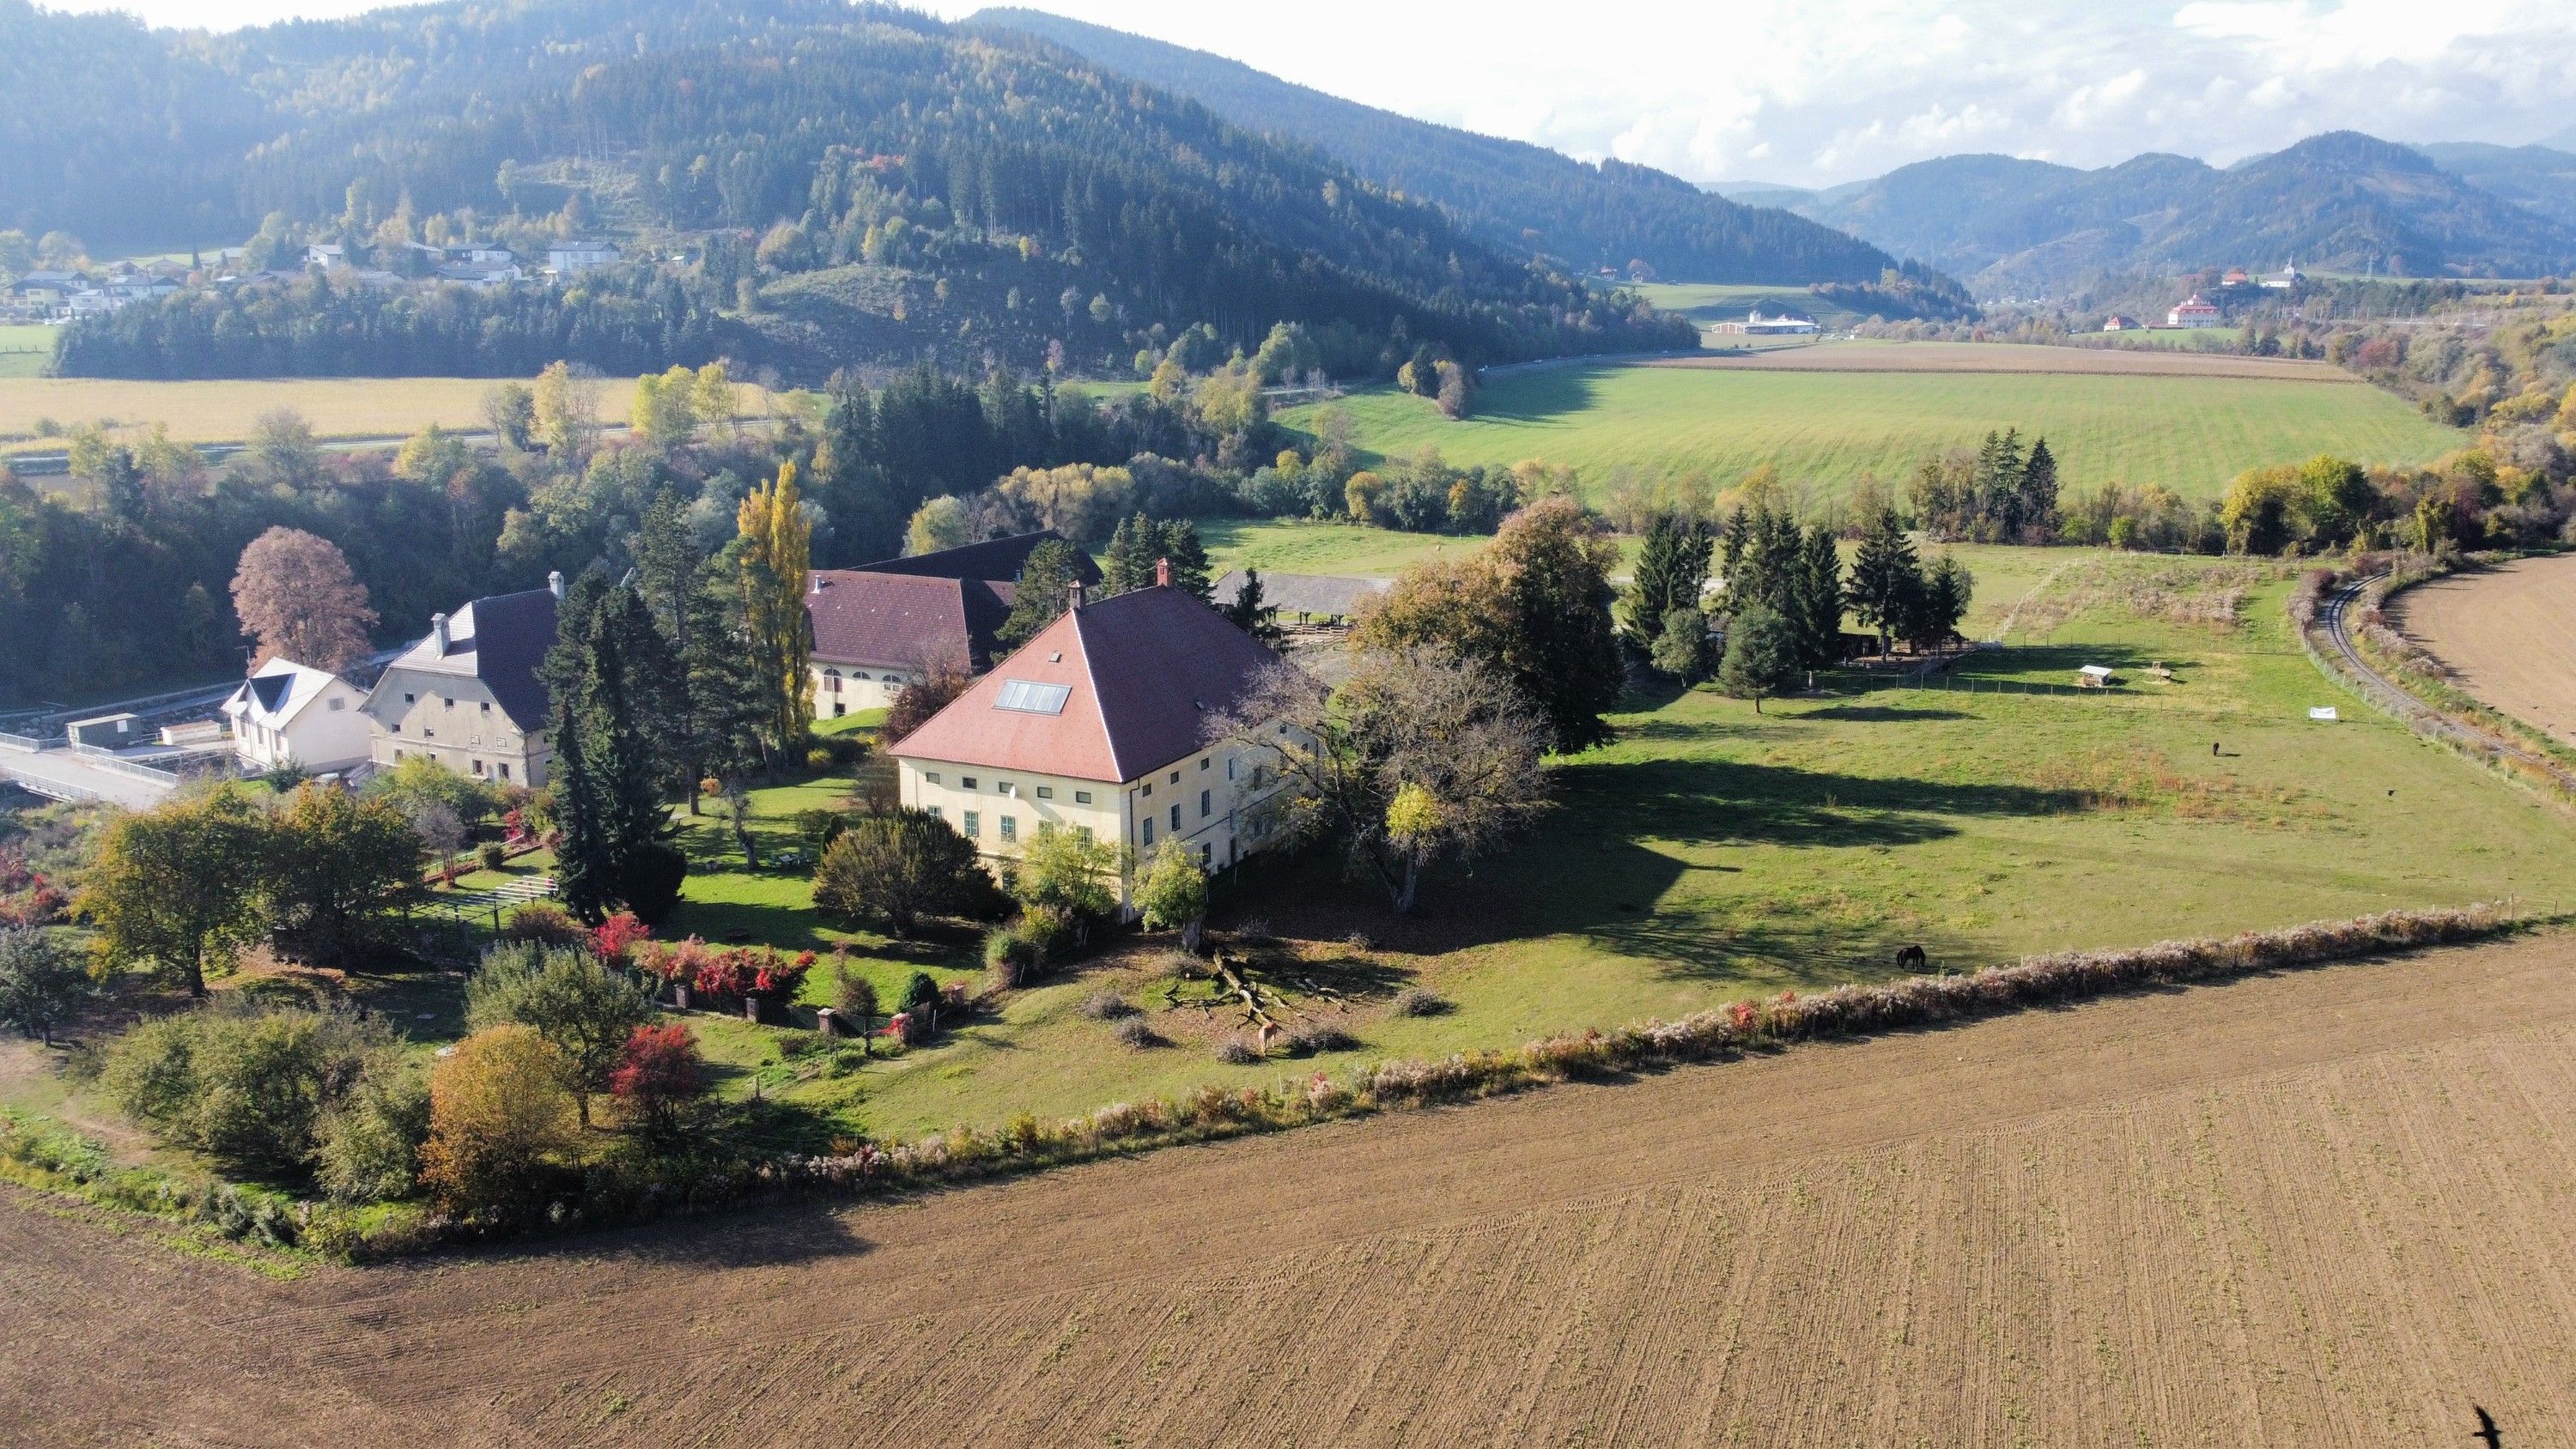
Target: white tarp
[(2324, 712)]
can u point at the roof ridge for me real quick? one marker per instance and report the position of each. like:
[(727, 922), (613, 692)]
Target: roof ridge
[(1099, 702)]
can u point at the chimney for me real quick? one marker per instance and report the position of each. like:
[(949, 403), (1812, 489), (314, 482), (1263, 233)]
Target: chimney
[(438, 631), (1080, 596), (815, 584), (1162, 573), (554, 584)]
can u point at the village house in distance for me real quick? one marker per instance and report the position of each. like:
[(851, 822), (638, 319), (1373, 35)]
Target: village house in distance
[(1108, 721), (876, 628), (468, 695)]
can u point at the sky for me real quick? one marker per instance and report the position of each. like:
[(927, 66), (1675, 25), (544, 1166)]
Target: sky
[(1815, 92)]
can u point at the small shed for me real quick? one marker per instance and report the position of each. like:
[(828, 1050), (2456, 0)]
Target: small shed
[(2093, 676), (107, 731)]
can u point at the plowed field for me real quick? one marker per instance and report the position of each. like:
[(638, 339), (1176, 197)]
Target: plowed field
[(2321, 1208), (2509, 633)]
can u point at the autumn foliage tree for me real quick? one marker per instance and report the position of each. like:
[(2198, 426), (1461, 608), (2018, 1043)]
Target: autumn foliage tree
[(658, 1078), (297, 600), (777, 553), (500, 1123)]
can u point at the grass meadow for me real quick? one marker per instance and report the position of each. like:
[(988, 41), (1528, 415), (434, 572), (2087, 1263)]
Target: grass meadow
[(25, 350), (1827, 430), (1706, 302), (1711, 852)]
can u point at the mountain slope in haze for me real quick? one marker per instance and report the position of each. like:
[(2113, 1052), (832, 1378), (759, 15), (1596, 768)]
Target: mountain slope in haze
[(2535, 178), (1508, 192), (2340, 201), (917, 193)]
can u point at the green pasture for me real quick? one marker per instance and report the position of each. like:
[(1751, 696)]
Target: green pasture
[(1706, 302), (24, 351), (1827, 430), (1713, 852)]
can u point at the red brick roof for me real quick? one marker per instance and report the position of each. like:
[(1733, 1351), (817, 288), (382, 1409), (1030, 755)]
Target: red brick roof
[(895, 621), (1149, 677)]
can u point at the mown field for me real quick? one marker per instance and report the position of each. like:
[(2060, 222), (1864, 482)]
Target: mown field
[(2323, 1207), (25, 350), (223, 411), (1706, 302), (1828, 429)]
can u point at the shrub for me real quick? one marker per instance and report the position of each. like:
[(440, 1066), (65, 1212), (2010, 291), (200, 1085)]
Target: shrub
[(493, 854), (659, 1078), (650, 884), (368, 1147), (855, 996), (899, 868), (1136, 1032), (1234, 1051), (1174, 890), (1107, 1006), (582, 1009), (1414, 1001), (1317, 1037), (818, 759), (243, 1082), (41, 984), (500, 1124), (616, 939), (546, 924), (1015, 954)]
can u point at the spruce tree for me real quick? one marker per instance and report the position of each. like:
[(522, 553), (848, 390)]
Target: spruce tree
[(2039, 516), (1819, 600), (606, 677), (1179, 542), (1247, 612), (1882, 573), (1671, 569), (584, 858), (1761, 656), (1045, 589), (1128, 562)]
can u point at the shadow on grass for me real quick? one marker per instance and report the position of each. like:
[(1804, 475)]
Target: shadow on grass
[(1540, 396), (1883, 713)]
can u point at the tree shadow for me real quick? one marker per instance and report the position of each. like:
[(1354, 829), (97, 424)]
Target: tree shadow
[(1882, 713), (1541, 395)]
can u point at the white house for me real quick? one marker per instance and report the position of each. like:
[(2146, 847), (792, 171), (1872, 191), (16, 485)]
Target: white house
[(2193, 311), (2283, 280), (468, 695), (1110, 721), (569, 258), (326, 254), (288, 714)]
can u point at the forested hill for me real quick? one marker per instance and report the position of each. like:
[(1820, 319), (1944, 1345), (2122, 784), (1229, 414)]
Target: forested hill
[(1511, 194), (2340, 201), (847, 184)]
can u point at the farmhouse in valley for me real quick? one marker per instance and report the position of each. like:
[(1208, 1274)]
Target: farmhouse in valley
[(581, 254), (2121, 322), (2193, 311), (876, 629), (1110, 721), (2285, 279), (468, 695), (289, 714)]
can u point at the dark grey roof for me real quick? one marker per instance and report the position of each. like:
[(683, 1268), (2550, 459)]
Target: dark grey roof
[(270, 689), (996, 560), (512, 633)]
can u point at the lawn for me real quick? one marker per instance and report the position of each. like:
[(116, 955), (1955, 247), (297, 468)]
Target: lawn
[(24, 351), (1713, 852), (1830, 429), (1289, 546)]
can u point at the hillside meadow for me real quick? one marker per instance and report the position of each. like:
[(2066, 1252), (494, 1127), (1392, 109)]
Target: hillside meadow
[(1827, 429), (223, 411)]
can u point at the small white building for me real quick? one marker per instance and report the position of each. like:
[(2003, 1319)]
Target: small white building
[(570, 258), (1757, 325), (2193, 311), (2285, 279), (289, 714), (2121, 322), (326, 255)]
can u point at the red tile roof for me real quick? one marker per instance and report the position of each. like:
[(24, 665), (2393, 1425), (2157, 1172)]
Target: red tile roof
[(895, 621), (1149, 675)]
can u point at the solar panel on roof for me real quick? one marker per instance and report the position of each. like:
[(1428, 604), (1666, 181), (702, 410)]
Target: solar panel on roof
[(1031, 698)]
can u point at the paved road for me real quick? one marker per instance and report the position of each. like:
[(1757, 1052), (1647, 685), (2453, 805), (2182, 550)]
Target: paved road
[(62, 775)]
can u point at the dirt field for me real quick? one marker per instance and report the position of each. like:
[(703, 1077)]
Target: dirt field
[(2509, 634), (2320, 1208), (2012, 358)]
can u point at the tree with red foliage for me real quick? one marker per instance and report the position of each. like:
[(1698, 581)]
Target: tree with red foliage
[(614, 940), (660, 1078)]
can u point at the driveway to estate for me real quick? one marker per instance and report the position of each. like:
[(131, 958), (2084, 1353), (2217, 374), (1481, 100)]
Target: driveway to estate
[(62, 775)]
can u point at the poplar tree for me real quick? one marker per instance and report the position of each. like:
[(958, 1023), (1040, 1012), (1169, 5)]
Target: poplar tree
[(776, 558)]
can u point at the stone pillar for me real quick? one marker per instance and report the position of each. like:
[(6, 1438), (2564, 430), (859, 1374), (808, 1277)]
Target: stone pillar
[(751, 1006), (680, 995), (827, 1023)]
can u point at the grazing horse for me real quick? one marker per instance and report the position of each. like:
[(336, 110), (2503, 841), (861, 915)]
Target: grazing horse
[(1910, 955)]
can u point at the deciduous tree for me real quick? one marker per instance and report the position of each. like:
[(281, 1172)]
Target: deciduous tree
[(500, 1123), (336, 865), (775, 558), (41, 984), (898, 868), (584, 1010), (298, 600), (177, 887)]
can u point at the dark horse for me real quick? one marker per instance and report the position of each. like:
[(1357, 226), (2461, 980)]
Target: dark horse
[(1910, 956)]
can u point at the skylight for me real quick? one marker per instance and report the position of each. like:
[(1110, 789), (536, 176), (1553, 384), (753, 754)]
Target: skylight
[(1029, 698)]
